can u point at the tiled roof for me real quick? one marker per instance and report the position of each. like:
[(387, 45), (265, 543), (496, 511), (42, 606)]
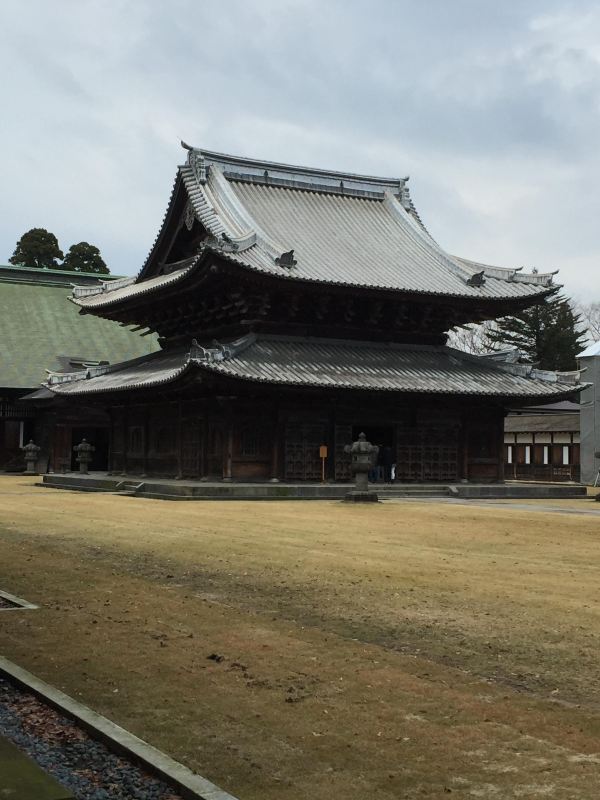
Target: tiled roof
[(343, 229), (520, 423), (591, 350), (336, 365), (38, 325)]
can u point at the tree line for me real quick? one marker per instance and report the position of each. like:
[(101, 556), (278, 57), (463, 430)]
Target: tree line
[(39, 248)]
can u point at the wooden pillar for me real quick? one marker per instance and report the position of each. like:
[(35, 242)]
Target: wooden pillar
[(275, 447), (145, 433), (228, 449), (465, 448), (179, 441), (501, 447), (204, 447), (330, 465), (125, 443), (110, 440)]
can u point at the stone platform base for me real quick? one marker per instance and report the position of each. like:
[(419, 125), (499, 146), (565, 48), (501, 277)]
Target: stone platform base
[(361, 497), (170, 489)]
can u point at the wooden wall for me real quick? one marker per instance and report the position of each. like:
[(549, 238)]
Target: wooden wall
[(239, 439)]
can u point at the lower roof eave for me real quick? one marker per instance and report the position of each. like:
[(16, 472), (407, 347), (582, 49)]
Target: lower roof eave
[(174, 383), (325, 366)]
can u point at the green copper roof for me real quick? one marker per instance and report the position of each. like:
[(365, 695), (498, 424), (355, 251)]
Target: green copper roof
[(38, 325)]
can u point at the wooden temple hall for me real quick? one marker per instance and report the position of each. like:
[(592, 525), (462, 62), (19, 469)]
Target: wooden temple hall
[(296, 308)]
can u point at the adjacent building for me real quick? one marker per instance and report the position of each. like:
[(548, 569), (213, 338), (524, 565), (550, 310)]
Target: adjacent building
[(589, 361), (40, 330), (543, 443), (294, 308)]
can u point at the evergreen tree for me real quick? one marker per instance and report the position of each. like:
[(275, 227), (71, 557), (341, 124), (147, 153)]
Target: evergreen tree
[(84, 257), (37, 248), (548, 333)]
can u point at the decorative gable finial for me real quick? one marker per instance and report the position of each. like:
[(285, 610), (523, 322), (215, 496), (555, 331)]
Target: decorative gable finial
[(476, 279), (404, 194), (286, 259), (189, 215), (196, 161)]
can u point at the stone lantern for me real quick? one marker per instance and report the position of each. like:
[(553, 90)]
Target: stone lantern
[(84, 455), (364, 456), (30, 453)]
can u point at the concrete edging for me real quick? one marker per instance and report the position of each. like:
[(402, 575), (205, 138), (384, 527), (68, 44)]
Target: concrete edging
[(20, 604), (190, 785)]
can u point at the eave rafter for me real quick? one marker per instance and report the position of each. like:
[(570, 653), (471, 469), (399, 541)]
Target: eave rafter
[(221, 293)]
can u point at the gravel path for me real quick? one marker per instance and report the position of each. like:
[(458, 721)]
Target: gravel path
[(84, 766)]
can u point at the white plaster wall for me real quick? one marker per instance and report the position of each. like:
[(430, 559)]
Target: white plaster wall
[(590, 418)]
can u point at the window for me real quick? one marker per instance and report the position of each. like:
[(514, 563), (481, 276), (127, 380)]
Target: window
[(215, 442), (481, 443), (164, 440), (249, 442), (136, 440), (509, 454), (546, 454), (565, 455), (253, 441), (528, 454)]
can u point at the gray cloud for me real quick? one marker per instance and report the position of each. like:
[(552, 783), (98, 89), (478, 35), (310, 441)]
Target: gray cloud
[(493, 108)]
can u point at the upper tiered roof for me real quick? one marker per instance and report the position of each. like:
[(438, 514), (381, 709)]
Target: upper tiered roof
[(309, 225)]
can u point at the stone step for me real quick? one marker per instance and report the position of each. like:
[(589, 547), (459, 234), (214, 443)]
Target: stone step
[(129, 488), (416, 491)]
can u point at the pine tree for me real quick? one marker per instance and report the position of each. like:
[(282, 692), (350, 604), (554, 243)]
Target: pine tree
[(85, 257), (37, 248), (548, 333)]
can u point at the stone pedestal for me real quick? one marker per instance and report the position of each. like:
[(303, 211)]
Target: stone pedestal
[(84, 455), (361, 497), (30, 454), (364, 455)]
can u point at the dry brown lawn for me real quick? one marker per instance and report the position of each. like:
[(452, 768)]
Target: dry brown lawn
[(291, 650)]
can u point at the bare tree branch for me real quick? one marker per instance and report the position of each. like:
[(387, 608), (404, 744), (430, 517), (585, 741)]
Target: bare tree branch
[(590, 318), (471, 338)]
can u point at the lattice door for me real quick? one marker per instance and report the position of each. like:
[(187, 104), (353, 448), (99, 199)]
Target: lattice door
[(191, 448), (215, 450), (302, 442), (427, 454), (343, 460)]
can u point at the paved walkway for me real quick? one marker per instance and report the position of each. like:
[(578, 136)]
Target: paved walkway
[(510, 505)]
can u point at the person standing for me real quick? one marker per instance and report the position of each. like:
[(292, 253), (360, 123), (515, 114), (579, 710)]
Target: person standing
[(387, 459)]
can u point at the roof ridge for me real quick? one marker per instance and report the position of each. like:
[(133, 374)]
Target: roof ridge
[(524, 370), (512, 273), (211, 156)]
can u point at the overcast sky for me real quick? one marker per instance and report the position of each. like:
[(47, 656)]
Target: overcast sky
[(492, 108)]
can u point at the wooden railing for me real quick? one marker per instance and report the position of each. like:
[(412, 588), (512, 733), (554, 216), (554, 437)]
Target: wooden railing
[(541, 472)]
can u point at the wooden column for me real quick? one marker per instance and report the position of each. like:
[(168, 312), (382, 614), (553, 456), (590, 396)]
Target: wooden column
[(275, 448), (331, 444), (125, 443), (110, 441), (204, 446), (179, 441), (501, 447), (228, 449), (145, 443), (465, 448)]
